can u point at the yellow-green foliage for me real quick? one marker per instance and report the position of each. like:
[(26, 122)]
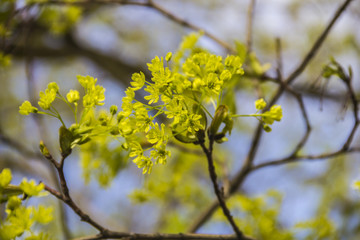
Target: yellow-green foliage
[(258, 216), (20, 220), (321, 228)]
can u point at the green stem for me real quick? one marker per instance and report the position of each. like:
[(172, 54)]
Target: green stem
[(64, 99), (84, 113), (59, 117), (247, 115), (45, 113), (75, 113)]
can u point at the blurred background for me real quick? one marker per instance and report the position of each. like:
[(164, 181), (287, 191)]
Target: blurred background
[(54, 43)]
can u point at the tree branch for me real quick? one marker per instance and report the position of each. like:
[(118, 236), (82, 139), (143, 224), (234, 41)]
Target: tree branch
[(158, 236)]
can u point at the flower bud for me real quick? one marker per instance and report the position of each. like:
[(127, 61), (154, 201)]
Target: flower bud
[(73, 96), (168, 56), (53, 86), (267, 128), (113, 109), (260, 104)]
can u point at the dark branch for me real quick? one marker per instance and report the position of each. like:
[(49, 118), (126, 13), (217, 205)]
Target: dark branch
[(218, 192), (293, 159), (162, 236)]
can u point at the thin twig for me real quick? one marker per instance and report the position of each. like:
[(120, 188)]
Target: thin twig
[(355, 103), (249, 27), (218, 192), (279, 62), (293, 159)]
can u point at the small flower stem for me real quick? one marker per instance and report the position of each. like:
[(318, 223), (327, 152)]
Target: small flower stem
[(64, 99), (247, 115), (49, 114), (75, 113), (59, 117)]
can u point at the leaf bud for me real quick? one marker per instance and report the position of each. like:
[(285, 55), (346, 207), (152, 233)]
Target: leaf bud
[(65, 139), (44, 150), (260, 104), (220, 115)]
